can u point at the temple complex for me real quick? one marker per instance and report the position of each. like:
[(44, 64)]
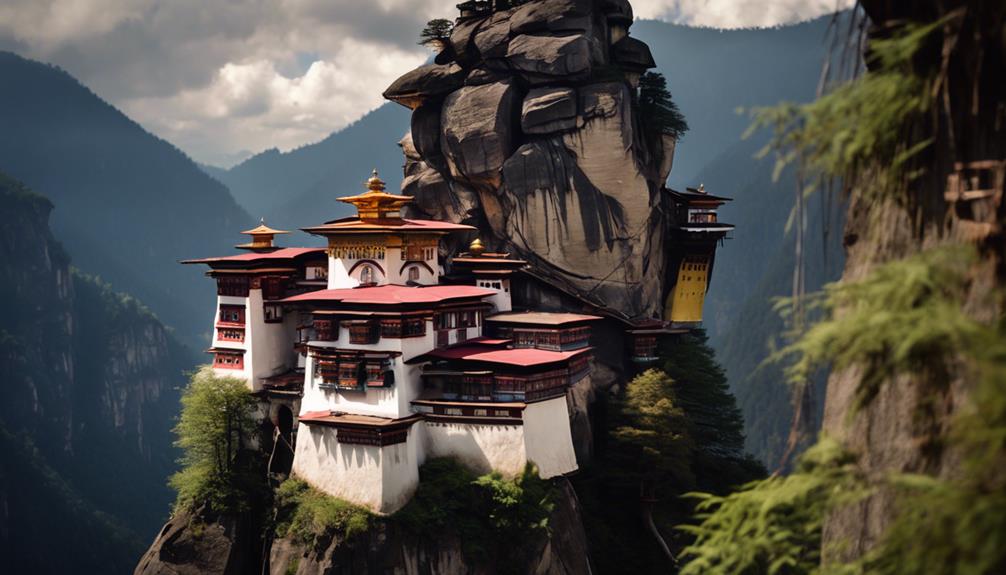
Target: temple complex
[(374, 358), (381, 349)]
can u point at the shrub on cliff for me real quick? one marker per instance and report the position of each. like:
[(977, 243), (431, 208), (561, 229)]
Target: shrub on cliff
[(213, 429), (307, 514), (492, 515)]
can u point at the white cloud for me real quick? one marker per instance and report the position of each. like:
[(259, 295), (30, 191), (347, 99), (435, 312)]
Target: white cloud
[(735, 13), (220, 77), (252, 104)]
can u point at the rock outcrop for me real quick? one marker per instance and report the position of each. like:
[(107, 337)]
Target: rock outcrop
[(542, 147), (387, 548)]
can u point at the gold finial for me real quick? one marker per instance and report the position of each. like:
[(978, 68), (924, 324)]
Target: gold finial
[(375, 183), (702, 188), (476, 248)]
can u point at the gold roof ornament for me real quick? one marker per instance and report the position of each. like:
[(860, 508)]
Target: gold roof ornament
[(262, 237), (702, 189), (476, 248), (375, 203)]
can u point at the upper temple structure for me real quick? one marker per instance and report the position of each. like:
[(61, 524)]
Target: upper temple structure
[(464, 316)]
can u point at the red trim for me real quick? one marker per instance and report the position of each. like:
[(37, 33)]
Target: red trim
[(371, 262), (417, 262)]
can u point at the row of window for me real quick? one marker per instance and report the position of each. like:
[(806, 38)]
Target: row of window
[(467, 411), (231, 334), (553, 339), (357, 252), (232, 286), (224, 360), (352, 375), (454, 319)]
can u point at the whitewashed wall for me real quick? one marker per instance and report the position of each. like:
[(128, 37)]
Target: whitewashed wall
[(547, 437)]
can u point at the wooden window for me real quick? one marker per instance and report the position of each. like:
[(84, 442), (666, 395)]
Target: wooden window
[(273, 313), (326, 329), (233, 314), (231, 334), (413, 326), (225, 360), (363, 332), (273, 288), (367, 274), (414, 273), (232, 286)]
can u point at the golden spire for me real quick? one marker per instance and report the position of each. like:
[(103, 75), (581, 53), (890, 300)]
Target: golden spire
[(375, 183), (376, 203), (476, 248), (262, 237)]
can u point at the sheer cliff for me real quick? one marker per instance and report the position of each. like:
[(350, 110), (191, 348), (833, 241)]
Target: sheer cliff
[(90, 388)]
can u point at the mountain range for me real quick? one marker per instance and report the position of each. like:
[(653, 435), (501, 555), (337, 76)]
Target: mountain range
[(129, 205)]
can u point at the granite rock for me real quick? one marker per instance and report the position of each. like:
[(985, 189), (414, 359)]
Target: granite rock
[(477, 132)]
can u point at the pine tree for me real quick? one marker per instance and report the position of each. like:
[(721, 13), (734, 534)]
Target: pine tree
[(714, 421), (659, 112), (436, 33)]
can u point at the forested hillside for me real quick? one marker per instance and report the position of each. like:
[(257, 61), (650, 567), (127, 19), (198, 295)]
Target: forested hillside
[(129, 205), (90, 387)]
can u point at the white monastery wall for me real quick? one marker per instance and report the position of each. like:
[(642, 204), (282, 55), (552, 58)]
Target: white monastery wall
[(338, 274), (480, 447), (270, 345), (245, 372), (547, 437), (379, 478)]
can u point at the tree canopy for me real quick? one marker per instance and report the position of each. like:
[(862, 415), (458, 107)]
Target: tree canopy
[(214, 427), (658, 110), (436, 32)]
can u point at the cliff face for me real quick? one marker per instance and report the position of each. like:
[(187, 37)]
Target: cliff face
[(90, 382), (528, 127), (193, 544), (903, 428)]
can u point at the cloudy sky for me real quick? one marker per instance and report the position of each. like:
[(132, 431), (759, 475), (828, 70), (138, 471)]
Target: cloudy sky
[(223, 78)]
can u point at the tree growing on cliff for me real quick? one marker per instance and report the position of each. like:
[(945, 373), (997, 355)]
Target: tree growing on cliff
[(436, 33), (714, 421), (660, 114), (214, 427)]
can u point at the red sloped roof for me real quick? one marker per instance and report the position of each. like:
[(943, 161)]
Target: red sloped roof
[(519, 357), (391, 294), (280, 254), (355, 224)]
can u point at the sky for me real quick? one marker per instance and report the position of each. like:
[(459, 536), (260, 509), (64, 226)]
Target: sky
[(222, 79)]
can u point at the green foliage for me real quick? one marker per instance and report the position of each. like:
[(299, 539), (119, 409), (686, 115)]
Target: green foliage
[(713, 421), (492, 515), (772, 526), (904, 317), (309, 515), (215, 424), (863, 131), (653, 445), (659, 112), (436, 32)]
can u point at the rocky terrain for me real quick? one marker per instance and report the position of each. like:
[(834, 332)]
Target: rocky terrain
[(527, 126)]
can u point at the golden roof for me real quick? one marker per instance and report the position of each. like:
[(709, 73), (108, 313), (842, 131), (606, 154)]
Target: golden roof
[(261, 237), (263, 229), (376, 203)]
